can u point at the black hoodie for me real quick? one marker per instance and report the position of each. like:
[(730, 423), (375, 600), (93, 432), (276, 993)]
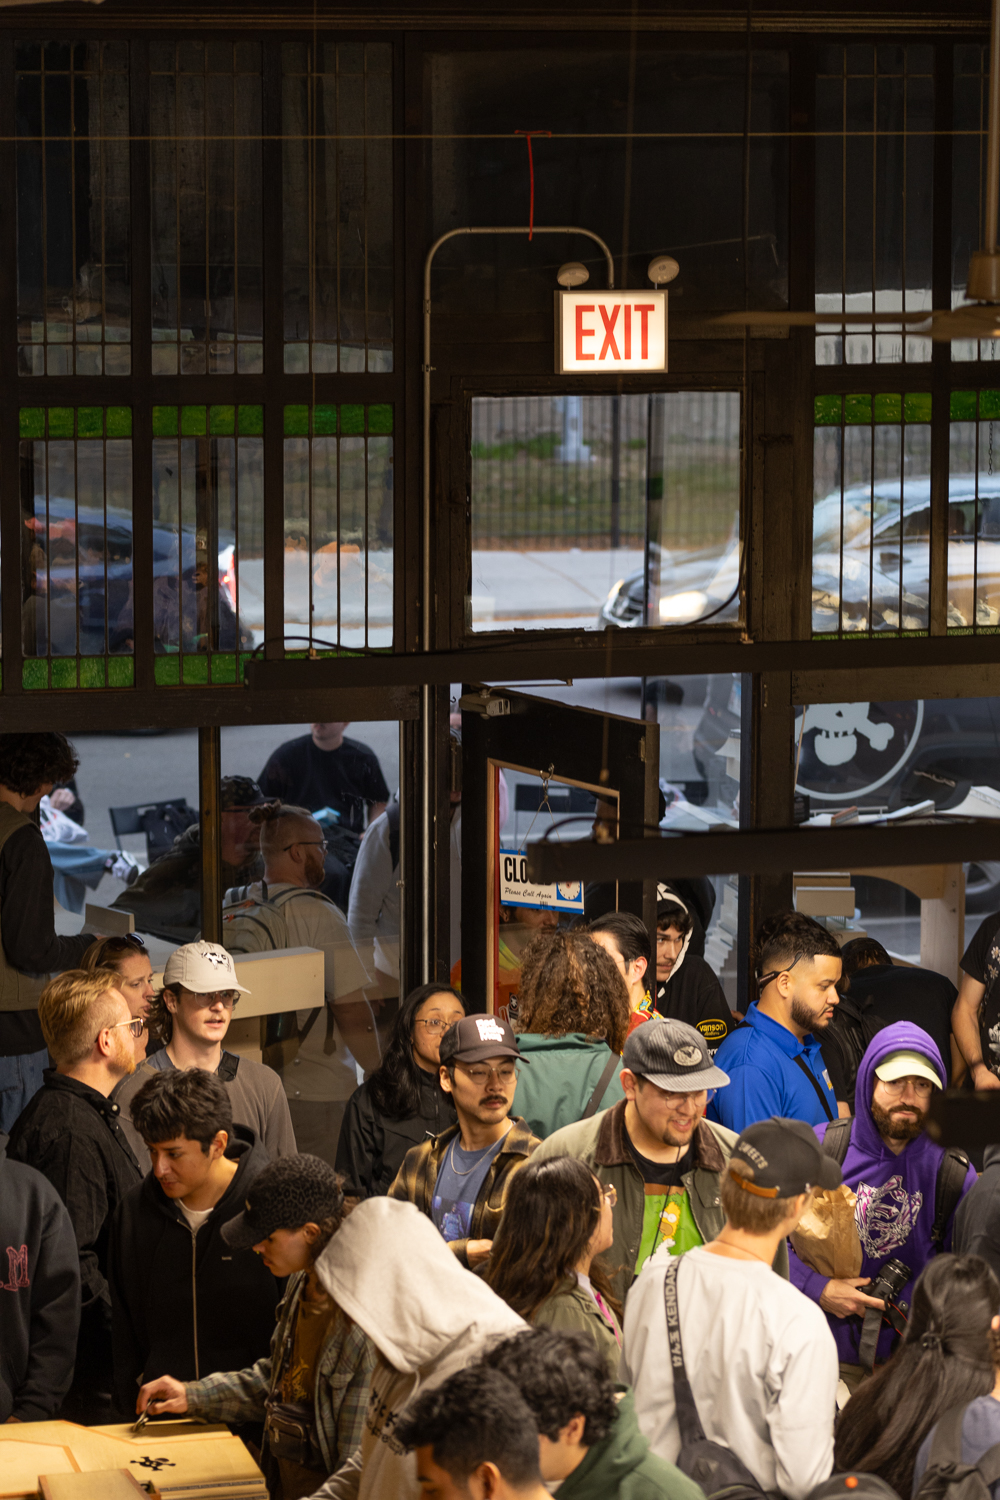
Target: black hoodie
[(39, 1294), (186, 1304), (977, 1218)]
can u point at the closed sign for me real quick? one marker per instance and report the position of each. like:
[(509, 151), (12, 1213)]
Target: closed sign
[(601, 331), (517, 890)]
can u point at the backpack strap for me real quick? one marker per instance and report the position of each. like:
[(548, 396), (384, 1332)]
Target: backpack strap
[(688, 1420), (837, 1139), (609, 1067), (804, 1068), (952, 1172), (947, 1445)]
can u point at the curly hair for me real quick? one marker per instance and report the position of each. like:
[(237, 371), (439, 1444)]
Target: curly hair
[(29, 761), (570, 983)]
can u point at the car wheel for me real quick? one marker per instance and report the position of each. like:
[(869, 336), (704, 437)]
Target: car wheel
[(982, 886)]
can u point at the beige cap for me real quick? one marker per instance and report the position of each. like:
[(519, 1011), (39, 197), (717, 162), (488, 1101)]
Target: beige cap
[(202, 968), (907, 1065)]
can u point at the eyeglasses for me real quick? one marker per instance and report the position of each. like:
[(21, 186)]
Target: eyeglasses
[(674, 1102), (506, 1073), (306, 844), (922, 1087), (228, 998), (609, 1193), (435, 1026), (135, 1027)]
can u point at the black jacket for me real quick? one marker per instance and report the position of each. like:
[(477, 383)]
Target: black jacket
[(371, 1148), (40, 1298), (695, 995), (977, 1218), (187, 1304)]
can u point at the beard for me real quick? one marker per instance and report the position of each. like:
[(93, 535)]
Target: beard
[(673, 1135), (126, 1055), (894, 1127), (803, 1016)]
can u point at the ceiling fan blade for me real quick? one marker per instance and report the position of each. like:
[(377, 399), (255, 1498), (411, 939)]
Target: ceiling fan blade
[(813, 320), (980, 322)]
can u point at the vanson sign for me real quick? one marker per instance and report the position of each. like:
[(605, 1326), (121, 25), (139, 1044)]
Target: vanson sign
[(601, 331)]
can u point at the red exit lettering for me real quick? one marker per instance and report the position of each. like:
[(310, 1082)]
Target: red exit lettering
[(611, 332)]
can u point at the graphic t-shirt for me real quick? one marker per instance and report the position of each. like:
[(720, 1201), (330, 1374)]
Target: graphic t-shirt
[(982, 963), (667, 1217), (459, 1180)]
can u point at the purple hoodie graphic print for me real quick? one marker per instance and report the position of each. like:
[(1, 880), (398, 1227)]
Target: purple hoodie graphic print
[(896, 1194)]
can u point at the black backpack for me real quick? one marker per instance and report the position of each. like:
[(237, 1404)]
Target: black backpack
[(845, 1039), (952, 1172), (946, 1476), (714, 1467)]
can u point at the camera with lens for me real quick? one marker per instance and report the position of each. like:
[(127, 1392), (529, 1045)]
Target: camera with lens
[(890, 1281)]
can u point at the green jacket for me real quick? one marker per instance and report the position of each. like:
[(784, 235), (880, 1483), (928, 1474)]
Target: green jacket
[(562, 1073), (571, 1310), (417, 1178), (621, 1467), (601, 1143)]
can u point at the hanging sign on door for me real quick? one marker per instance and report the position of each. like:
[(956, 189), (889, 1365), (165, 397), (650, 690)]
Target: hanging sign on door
[(601, 331), (517, 890)]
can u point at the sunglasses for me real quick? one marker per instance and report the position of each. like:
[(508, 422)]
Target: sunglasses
[(128, 942)]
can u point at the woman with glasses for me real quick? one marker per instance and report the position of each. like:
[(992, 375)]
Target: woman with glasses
[(546, 1263), (128, 957), (402, 1102)]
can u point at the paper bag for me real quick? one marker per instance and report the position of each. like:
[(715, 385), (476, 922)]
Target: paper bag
[(827, 1236)]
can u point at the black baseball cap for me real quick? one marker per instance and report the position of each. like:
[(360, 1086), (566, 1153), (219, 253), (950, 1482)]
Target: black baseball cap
[(291, 1191), (672, 1055), (476, 1037), (786, 1158), (239, 791)]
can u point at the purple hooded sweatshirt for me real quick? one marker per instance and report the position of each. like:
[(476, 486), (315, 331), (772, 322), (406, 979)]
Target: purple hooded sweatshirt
[(896, 1194)]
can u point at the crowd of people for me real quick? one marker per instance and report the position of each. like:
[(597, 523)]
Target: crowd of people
[(622, 1242)]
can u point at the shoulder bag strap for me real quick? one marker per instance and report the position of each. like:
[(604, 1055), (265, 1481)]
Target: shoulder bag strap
[(837, 1139), (797, 1060), (952, 1172), (613, 1062), (688, 1420)]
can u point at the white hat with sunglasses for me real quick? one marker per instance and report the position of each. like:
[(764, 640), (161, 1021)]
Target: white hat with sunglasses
[(203, 968)]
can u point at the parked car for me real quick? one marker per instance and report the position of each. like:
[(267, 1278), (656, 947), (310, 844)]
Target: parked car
[(691, 586)]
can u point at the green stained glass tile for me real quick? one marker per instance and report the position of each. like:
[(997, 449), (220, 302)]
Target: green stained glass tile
[(989, 406), (296, 421), (857, 408), (251, 421), (194, 421), (35, 674), (121, 671), (887, 406), (224, 666), (324, 421), (64, 672), (92, 674), (917, 406), (352, 420), (164, 421), (827, 410), (195, 670), (31, 421), (963, 406), (380, 417), (90, 421), (60, 421), (167, 671), (222, 421), (119, 421)]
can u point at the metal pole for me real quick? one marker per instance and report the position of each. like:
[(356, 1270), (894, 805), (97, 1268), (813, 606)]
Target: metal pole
[(210, 819), (993, 138), (427, 797)]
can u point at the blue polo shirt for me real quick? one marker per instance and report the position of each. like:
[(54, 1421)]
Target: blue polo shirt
[(765, 1078)]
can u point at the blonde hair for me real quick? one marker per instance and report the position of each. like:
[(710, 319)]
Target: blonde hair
[(748, 1210), (277, 820), (74, 1009)]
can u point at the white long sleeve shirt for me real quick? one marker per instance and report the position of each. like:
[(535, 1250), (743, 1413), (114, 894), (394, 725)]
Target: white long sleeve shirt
[(760, 1358)]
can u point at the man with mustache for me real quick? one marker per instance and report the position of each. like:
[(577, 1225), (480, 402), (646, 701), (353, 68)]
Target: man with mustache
[(907, 1187), (460, 1177)]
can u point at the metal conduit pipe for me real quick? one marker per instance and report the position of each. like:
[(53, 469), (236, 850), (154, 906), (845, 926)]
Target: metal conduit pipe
[(427, 799)]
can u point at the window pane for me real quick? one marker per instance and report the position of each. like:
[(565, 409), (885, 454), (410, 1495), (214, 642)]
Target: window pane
[(73, 293), (563, 534), (76, 553), (205, 118), (337, 208), (208, 504), (875, 115), (338, 527), (871, 513), (972, 76), (974, 513)]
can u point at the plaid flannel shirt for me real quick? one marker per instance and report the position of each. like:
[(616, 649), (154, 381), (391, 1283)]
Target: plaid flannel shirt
[(417, 1177), (343, 1374)]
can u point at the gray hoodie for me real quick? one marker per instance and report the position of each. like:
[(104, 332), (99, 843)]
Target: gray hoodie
[(391, 1271)]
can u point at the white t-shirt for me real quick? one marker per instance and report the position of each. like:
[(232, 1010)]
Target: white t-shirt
[(760, 1358), (195, 1216)]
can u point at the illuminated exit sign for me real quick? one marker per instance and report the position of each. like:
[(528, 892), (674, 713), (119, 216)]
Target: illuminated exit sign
[(601, 331)]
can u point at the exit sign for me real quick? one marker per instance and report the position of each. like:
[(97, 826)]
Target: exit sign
[(601, 331)]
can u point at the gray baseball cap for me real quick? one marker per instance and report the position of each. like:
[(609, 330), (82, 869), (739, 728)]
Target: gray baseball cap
[(672, 1055)]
